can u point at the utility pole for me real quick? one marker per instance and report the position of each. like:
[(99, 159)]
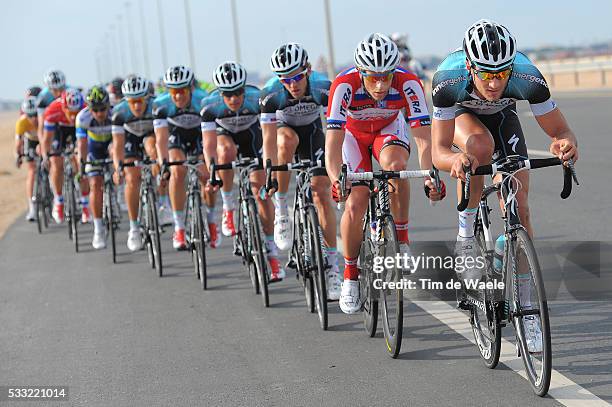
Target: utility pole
[(331, 63), (162, 36), (189, 36), (236, 34), (145, 42)]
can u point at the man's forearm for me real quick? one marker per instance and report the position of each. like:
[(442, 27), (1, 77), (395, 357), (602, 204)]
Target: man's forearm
[(209, 144), (333, 153), (161, 143), (422, 138)]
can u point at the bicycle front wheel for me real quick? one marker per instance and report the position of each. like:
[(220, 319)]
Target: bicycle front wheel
[(258, 251), (317, 266), (197, 239), (111, 218), (392, 296), (530, 312), (369, 296), (74, 218), (153, 232), (38, 201), (485, 318)]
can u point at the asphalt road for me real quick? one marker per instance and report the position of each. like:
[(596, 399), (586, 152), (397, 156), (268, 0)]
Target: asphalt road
[(118, 335)]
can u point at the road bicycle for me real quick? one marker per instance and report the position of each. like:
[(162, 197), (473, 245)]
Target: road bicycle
[(248, 240), (147, 214), (306, 255), (521, 301), (197, 225), (377, 243)]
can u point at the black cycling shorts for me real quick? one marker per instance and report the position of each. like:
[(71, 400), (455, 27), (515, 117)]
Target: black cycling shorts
[(29, 149), (62, 138), (505, 127), (311, 143), (249, 141), (190, 144), (134, 145)]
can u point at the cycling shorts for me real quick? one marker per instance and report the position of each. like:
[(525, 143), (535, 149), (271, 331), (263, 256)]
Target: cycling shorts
[(311, 142), (191, 145), (134, 145), (249, 141), (96, 150)]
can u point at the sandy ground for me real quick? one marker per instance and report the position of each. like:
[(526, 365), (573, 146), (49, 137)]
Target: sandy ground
[(13, 201)]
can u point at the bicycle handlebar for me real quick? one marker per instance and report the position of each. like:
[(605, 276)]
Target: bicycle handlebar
[(240, 163), (514, 165)]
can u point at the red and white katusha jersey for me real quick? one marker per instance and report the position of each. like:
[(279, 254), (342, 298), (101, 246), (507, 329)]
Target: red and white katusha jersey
[(351, 106)]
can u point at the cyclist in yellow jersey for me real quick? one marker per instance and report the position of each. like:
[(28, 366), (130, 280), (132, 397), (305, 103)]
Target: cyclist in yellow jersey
[(26, 146)]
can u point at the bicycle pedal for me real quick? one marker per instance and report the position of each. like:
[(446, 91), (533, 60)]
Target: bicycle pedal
[(464, 305)]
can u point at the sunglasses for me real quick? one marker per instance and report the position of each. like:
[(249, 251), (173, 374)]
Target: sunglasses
[(372, 78), (230, 93), (99, 109), (133, 101), (295, 78), (177, 91), (489, 76)]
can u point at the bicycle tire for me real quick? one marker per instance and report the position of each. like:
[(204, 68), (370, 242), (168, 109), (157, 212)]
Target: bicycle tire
[(367, 292), (68, 208), (110, 219), (46, 200), (392, 300), (302, 261), (258, 252), (154, 232), (317, 274), (74, 218), (199, 246), (38, 199), (488, 338), (244, 234), (539, 383), (144, 218)]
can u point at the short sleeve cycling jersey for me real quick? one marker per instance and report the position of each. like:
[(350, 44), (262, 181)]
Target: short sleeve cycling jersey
[(123, 120), (54, 117), (25, 128), (452, 88), (88, 127), (43, 100), (276, 102), (185, 122), (216, 113), (352, 106)]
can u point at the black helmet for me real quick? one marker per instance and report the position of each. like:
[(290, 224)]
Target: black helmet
[(98, 97), (116, 87), (33, 91)]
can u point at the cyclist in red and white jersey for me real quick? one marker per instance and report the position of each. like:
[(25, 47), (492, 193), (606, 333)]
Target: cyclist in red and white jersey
[(366, 114)]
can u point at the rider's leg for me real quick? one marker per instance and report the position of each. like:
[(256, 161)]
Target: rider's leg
[(95, 199), (177, 188), (473, 137), (351, 228), (56, 176), (287, 140), (395, 158), (227, 152), (84, 200), (133, 178)]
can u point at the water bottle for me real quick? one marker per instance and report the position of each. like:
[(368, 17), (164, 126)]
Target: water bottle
[(499, 253)]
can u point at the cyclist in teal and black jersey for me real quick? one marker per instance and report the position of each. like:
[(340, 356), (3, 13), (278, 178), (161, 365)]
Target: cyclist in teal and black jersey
[(291, 106), (230, 126), (176, 121), (475, 91)]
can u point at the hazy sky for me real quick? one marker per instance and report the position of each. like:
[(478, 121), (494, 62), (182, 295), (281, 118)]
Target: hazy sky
[(67, 34)]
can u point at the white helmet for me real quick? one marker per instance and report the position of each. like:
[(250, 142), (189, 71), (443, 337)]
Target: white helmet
[(489, 46), (55, 79), (178, 77), (229, 76), (135, 86), (28, 106), (288, 58), (377, 53)]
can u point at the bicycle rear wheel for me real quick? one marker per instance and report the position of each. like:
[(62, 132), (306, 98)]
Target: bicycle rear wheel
[(392, 299), (317, 266), (47, 199), (153, 232), (258, 252), (529, 312)]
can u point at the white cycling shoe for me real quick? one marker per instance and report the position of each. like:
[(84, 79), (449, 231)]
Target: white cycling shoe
[(165, 216), (467, 247), (406, 253), (31, 215), (99, 240), (533, 333), (282, 231), (134, 241), (334, 283), (349, 297)]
